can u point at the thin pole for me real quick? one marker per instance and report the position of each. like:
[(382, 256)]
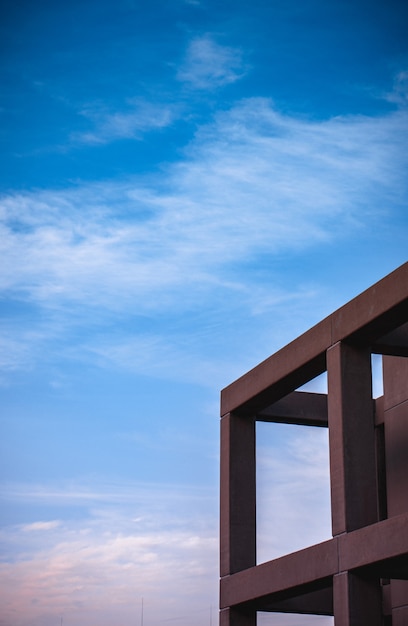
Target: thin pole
[(141, 618)]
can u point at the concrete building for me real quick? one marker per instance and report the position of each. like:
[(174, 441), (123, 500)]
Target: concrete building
[(360, 575)]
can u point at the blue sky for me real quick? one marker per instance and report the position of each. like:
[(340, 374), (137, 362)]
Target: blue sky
[(186, 186)]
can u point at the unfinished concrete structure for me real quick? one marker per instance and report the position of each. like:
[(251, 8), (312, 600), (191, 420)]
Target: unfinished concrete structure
[(360, 575)]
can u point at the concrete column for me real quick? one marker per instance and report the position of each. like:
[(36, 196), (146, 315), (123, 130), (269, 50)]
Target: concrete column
[(232, 617), (237, 506), (395, 377), (356, 602), (351, 438), (238, 494)]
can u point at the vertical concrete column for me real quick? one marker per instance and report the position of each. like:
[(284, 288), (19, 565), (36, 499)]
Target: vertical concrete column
[(238, 494), (356, 602), (232, 617), (237, 506), (395, 377), (351, 438)]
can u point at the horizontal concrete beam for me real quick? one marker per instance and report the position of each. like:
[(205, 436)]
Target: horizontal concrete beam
[(294, 571), (375, 545), (299, 407), (394, 343), (380, 549), (318, 602)]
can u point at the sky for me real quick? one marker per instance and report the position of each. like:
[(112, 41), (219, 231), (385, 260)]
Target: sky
[(186, 186)]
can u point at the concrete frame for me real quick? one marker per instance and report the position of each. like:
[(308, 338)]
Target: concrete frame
[(360, 575)]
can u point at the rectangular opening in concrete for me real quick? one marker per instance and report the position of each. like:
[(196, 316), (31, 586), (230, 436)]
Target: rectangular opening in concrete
[(293, 488), (316, 385), (377, 375), (290, 619)]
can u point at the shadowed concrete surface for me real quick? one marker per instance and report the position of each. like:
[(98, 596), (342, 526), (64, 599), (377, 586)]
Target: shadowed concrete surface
[(360, 576)]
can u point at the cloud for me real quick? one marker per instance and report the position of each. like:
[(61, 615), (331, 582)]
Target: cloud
[(149, 496), (122, 542), (150, 541), (140, 118), (15, 352), (209, 65), (154, 541), (399, 93), (41, 526), (254, 184), (251, 182), (106, 574), (176, 358)]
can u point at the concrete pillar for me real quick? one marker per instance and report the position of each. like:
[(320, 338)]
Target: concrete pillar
[(237, 494), (233, 617), (237, 506), (395, 378), (351, 438), (356, 602)]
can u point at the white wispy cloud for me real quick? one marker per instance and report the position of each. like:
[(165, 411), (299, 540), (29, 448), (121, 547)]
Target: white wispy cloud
[(138, 118), (137, 541), (209, 65), (104, 575), (150, 541), (41, 526), (253, 182), (15, 352), (166, 358), (148, 496), (399, 93)]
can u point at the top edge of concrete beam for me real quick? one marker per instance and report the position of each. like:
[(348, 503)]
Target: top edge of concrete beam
[(376, 311)]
